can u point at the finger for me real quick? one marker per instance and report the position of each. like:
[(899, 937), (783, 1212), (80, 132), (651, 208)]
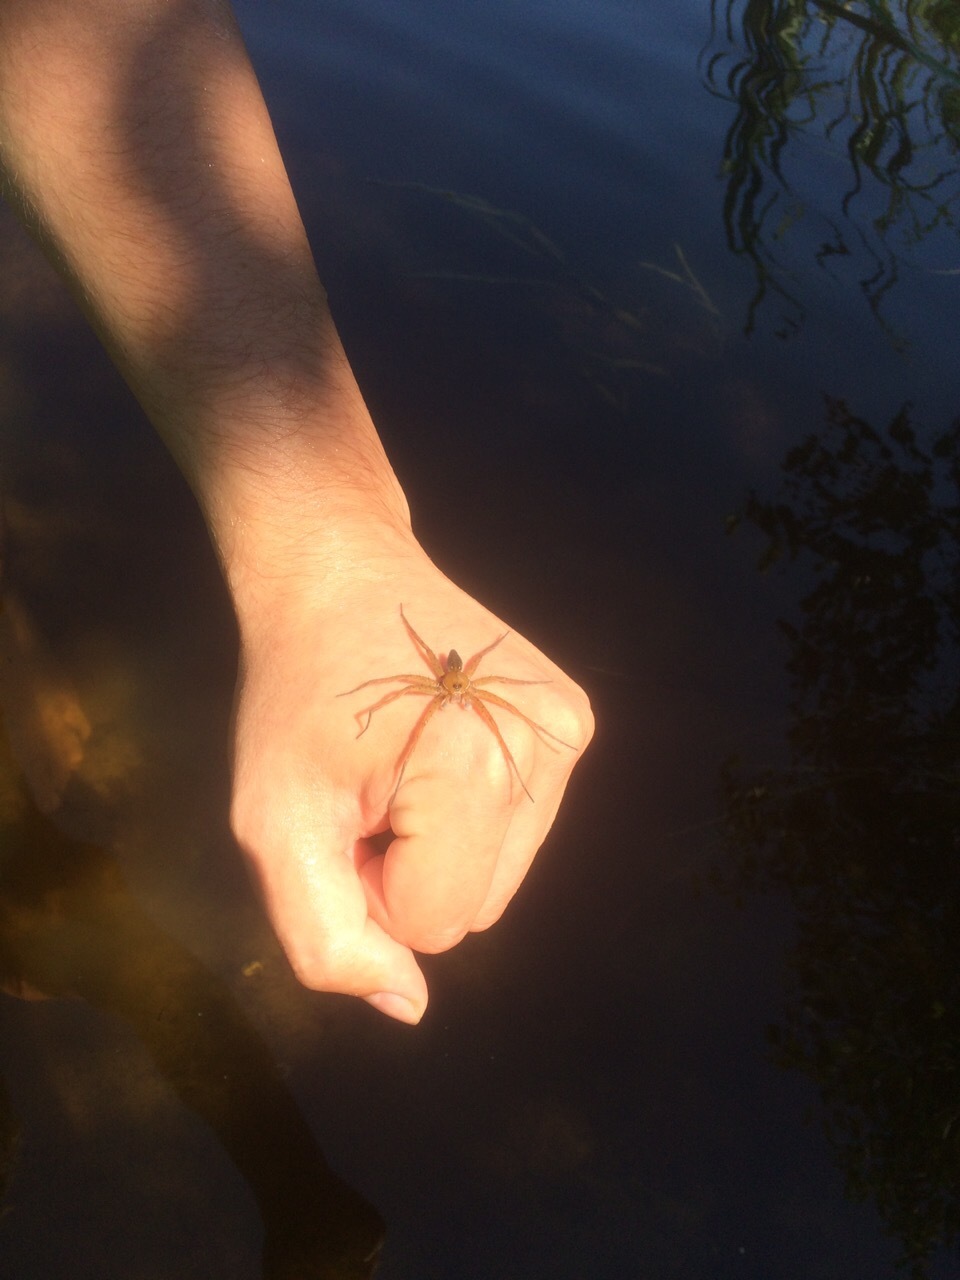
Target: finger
[(449, 818), (318, 909), (523, 841), (527, 832)]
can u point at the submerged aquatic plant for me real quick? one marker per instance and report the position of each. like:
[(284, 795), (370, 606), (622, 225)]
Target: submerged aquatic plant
[(610, 333)]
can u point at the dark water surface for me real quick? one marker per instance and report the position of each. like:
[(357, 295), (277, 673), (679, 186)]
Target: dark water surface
[(615, 278)]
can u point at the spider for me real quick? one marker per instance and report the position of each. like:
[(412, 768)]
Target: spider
[(453, 682)]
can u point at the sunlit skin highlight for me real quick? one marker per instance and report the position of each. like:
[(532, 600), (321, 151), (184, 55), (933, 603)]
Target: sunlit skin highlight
[(454, 681)]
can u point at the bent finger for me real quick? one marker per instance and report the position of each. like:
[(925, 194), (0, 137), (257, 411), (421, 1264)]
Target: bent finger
[(528, 830), (449, 824), (318, 909)]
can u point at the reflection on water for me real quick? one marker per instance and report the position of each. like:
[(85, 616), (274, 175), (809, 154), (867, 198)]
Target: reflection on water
[(71, 928), (862, 829), (866, 96), (573, 408)]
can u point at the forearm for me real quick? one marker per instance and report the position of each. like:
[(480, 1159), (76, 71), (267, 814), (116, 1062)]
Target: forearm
[(136, 143), (137, 146)]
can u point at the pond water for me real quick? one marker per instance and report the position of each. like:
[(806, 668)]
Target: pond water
[(655, 308)]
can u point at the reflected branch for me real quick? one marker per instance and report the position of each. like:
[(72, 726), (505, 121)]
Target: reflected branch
[(812, 75)]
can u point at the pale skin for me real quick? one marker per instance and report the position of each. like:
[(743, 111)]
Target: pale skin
[(137, 147)]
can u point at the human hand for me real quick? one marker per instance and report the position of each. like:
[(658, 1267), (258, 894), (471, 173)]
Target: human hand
[(315, 804)]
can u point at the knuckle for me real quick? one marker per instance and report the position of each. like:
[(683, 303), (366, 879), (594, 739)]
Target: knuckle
[(321, 966), (574, 719)]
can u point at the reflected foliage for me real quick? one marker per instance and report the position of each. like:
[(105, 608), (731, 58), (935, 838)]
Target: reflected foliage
[(862, 828), (862, 98)]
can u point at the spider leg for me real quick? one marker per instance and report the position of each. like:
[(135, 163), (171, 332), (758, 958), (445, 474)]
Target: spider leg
[(428, 712), (424, 649), (507, 680), (470, 666), (415, 680), (542, 733), (391, 697), (491, 724)]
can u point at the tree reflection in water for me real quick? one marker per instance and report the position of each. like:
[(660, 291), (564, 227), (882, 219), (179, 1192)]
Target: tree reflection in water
[(863, 828), (872, 88)]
